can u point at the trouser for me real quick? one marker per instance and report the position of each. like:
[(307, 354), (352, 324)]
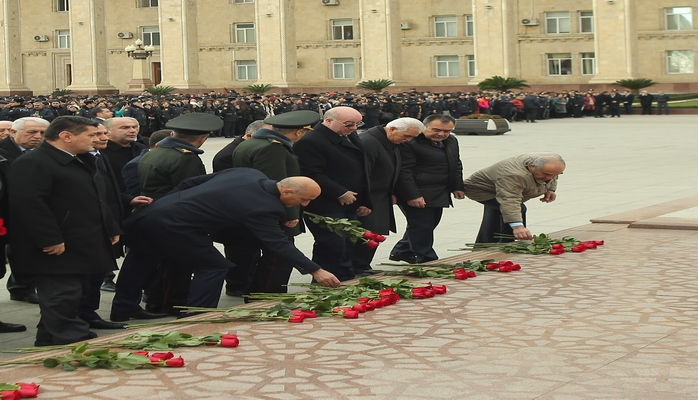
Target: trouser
[(331, 251), (531, 114), (169, 287), (662, 106), (59, 303), (646, 109), (418, 239), (493, 224), (89, 303)]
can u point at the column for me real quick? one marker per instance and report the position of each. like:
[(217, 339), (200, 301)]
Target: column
[(495, 39), (277, 58), (88, 47), (179, 44), (11, 63), (615, 26), (381, 48)]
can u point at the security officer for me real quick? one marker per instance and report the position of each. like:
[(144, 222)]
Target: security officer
[(257, 109), (175, 159), (271, 151), (178, 227), (229, 114)]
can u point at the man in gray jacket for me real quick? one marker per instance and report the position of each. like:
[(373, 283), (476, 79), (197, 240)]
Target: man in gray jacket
[(505, 186)]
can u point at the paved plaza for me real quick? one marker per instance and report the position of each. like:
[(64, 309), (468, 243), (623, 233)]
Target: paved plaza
[(618, 322)]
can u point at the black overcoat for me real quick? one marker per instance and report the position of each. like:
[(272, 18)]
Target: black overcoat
[(57, 198)]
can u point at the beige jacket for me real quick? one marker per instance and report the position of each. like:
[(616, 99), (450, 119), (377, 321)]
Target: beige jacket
[(510, 182)]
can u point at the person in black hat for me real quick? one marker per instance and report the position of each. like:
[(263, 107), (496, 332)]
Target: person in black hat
[(257, 109), (228, 112), (175, 159), (271, 151)]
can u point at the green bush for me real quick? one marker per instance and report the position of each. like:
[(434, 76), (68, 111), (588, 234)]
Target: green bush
[(502, 84), (635, 84), (61, 92), (259, 88), (375, 84), (481, 116), (161, 90)]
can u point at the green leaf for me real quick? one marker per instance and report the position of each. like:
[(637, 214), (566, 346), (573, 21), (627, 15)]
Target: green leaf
[(50, 363), (68, 367)]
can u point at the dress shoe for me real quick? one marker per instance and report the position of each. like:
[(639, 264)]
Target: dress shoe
[(108, 286), (30, 298), (7, 327), (102, 324), (402, 257), (139, 314)]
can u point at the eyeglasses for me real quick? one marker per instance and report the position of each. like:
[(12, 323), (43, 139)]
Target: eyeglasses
[(351, 124)]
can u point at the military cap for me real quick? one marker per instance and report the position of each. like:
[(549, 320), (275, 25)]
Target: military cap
[(195, 124), (256, 97), (294, 120)]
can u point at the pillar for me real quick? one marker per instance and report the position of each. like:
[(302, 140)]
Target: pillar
[(179, 44), (381, 48), (11, 62)]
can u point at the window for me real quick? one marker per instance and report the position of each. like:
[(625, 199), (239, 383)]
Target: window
[(62, 5), (679, 18), (471, 65), (342, 29), (469, 25), (63, 41), (447, 66), (680, 62), (343, 68), (588, 63), (560, 64), (243, 1), (147, 3), (244, 33), (586, 21), (246, 70), (557, 22), (151, 35), (445, 26)]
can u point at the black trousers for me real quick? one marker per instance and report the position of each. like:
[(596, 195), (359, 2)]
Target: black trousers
[(418, 240), (89, 303), (59, 303), (331, 251), (493, 223)]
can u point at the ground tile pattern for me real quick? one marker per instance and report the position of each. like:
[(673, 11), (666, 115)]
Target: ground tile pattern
[(618, 322)]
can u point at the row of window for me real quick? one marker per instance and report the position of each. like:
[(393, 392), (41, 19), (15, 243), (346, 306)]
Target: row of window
[(64, 5)]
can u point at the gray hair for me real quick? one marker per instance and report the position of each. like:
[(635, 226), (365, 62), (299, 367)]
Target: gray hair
[(18, 124), (254, 127), (109, 123), (540, 161), (405, 123)]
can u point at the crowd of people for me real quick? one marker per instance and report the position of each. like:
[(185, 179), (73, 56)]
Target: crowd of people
[(79, 192)]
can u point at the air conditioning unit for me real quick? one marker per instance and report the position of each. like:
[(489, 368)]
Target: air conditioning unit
[(41, 38), (405, 26), (330, 2), (124, 35), (529, 21)]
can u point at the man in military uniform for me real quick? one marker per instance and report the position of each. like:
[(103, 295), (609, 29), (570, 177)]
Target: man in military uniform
[(257, 109), (285, 106), (175, 159), (271, 151), (229, 114)]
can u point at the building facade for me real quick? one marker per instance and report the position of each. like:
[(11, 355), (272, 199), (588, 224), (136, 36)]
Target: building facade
[(322, 45)]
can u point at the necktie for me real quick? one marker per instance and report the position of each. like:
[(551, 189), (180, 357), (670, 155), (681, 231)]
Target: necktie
[(100, 162)]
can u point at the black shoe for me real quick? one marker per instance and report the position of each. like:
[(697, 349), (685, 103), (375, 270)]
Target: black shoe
[(102, 324), (402, 257), (139, 314), (30, 298), (7, 327), (42, 343), (235, 292), (152, 308), (108, 286)]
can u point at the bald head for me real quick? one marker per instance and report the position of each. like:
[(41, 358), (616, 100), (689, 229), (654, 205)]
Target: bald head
[(297, 190), (342, 120), (5, 128)]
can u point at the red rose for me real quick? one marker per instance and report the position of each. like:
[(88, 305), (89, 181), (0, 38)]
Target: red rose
[(309, 314), (230, 342), (175, 362), (590, 245), (505, 268), (557, 251), (28, 389), (363, 300), (372, 244), (378, 238), (372, 305), (3, 231), (386, 292), (578, 249), (558, 246), (229, 336), (367, 235), (491, 266), (440, 289), (360, 308), (141, 353), (163, 356), (296, 318), (598, 242), (506, 263), (351, 314), (471, 274), (516, 267), (10, 395)]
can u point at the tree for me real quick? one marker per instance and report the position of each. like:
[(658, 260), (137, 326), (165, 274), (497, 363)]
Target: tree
[(259, 88), (502, 84), (160, 90), (375, 84), (635, 84)]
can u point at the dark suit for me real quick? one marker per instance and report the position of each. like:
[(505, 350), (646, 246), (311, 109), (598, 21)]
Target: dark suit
[(178, 227), (224, 158), (383, 162), (337, 163), (433, 173), (57, 198)]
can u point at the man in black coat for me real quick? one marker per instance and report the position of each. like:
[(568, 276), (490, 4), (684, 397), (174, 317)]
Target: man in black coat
[(383, 162), (62, 230), (531, 107), (178, 227), (431, 171), (332, 154), (224, 158), (628, 99)]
